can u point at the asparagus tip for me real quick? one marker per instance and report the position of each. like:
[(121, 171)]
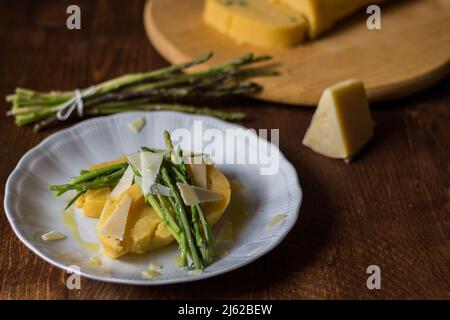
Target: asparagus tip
[(166, 134)]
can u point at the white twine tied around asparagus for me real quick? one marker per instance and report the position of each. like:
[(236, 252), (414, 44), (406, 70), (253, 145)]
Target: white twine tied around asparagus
[(76, 102)]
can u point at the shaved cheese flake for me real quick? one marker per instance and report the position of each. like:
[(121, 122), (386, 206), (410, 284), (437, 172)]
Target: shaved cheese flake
[(150, 164), (138, 181), (226, 234), (53, 236), (94, 261), (154, 266), (137, 124), (150, 274), (114, 226), (105, 207), (195, 195), (135, 160), (199, 175), (275, 220), (123, 184)]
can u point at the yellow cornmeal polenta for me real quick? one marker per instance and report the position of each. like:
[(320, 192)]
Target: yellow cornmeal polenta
[(145, 231), (93, 202), (257, 22)]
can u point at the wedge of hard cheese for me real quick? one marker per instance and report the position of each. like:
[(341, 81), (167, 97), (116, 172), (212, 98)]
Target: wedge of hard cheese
[(342, 124), (263, 23), (323, 14)]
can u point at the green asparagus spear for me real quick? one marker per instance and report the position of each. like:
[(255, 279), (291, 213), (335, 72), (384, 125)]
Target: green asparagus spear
[(164, 89)]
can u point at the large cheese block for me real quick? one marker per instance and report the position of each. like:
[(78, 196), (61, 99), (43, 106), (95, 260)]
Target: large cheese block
[(342, 124), (258, 22), (144, 229), (323, 14)]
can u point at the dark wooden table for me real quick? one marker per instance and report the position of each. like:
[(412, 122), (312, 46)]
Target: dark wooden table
[(390, 207)]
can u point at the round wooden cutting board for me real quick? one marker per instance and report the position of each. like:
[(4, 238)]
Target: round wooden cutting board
[(409, 53)]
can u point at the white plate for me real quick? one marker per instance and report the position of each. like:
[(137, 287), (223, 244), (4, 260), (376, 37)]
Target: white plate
[(33, 210)]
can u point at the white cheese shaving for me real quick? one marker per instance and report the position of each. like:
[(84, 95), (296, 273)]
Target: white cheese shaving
[(105, 207), (195, 195), (94, 261), (138, 181), (114, 226), (154, 266), (123, 184), (137, 125), (135, 160), (150, 164), (53, 236), (147, 164), (275, 220), (150, 274)]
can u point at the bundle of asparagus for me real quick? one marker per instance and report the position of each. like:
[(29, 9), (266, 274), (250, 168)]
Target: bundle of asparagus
[(187, 224), (164, 89)]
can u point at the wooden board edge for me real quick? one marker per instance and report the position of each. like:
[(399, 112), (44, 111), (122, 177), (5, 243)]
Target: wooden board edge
[(377, 94)]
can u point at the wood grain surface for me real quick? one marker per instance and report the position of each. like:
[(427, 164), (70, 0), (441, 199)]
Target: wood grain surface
[(410, 52), (390, 207)]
